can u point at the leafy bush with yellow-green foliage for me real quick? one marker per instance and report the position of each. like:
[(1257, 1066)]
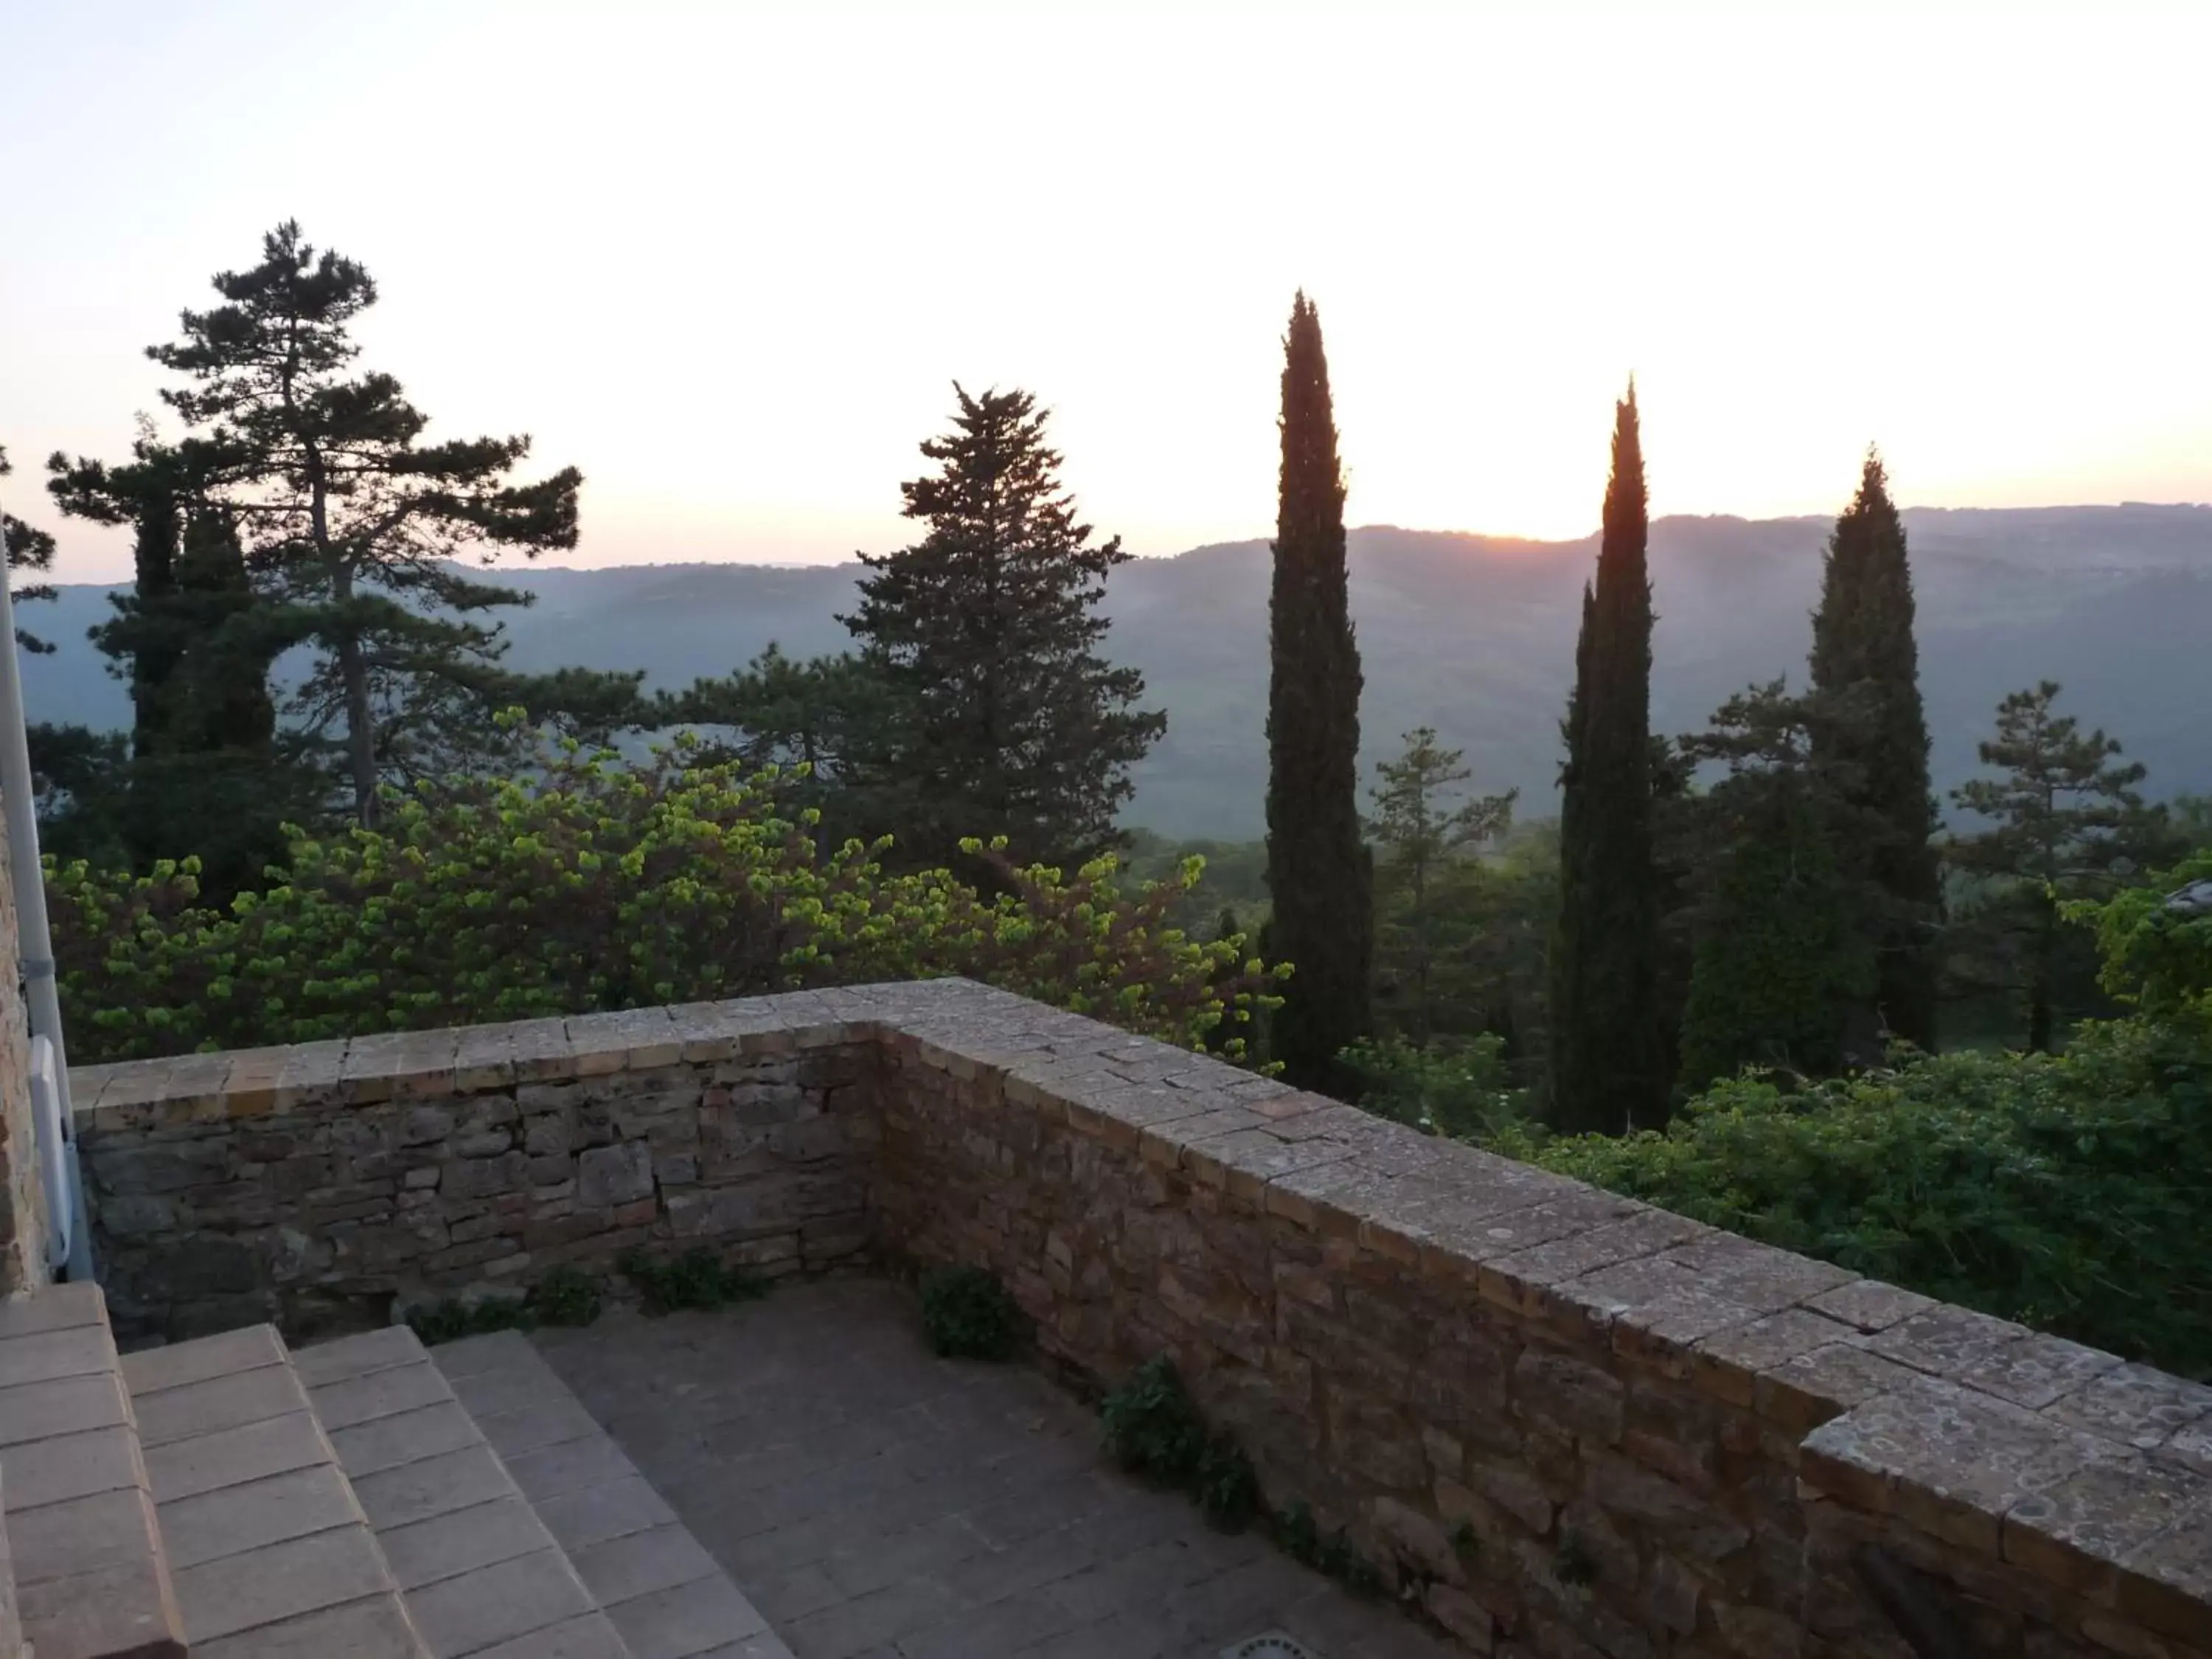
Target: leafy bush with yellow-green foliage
[(599, 885)]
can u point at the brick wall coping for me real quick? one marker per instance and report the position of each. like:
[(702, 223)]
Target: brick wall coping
[(2064, 1461)]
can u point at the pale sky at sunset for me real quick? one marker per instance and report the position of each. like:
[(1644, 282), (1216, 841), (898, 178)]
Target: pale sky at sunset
[(727, 261)]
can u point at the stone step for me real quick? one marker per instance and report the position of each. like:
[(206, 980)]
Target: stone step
[(666, 1596), (91, 1577), (482, 1576), (271, 1555)]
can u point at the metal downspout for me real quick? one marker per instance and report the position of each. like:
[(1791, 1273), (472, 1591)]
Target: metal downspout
[(69, 1244)]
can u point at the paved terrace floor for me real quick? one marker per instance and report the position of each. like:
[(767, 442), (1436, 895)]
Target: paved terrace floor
[(875, 1502)]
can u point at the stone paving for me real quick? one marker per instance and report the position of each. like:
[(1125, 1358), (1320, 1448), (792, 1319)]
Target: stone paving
[(876, 1503)]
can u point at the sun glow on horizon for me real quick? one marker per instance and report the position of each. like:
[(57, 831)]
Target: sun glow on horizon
[(719, 259)]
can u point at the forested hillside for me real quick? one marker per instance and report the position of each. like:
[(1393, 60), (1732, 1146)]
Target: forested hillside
[(1471, 634)]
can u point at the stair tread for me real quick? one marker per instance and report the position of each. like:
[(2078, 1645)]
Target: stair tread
[(664, 1593), (270, 1552), (475, 1565), (85, 1552)]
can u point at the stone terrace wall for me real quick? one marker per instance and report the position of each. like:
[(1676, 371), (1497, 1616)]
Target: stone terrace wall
[(1665, 1441), (334, 1184)]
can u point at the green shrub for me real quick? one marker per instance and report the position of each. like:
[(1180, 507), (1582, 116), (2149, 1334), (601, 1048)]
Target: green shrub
[(1297, 1536), (1462, 1090), (1227, 1487), (566, 1295), (1153, 1429), (596, 885), (2070, 1192), (2157, 959), (696, 1278), (1152, 1426), (967, 1314)]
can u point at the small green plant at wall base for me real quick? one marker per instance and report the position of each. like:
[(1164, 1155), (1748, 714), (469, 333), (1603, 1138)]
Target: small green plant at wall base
[(1299, 1537), (1152, 1428), (967, 1314), (1574, 1564), (1296, 1536), (696, 1278), (1344, 1564), (1227, 1486), (451, 1320), (566, 1295), (1465, 1544)]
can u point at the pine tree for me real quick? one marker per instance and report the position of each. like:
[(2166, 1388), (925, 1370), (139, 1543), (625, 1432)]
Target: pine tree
[(1776, 958), (349, 521), (805, 719), (2065, 822), (31, 548), (1319, 876), (994, 714), (1421, 832), (1874, 737), (1608, 1066)]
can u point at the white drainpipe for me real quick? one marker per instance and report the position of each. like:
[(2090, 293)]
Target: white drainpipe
[(69, 1245)]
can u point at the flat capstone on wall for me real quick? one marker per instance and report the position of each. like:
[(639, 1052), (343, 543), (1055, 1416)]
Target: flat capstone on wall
[(1564, 1424)]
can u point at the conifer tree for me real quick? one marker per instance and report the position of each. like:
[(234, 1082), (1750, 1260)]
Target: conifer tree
[(208, 775), (349, 521), (184, 634), (992, 712), (1873, 736), (1319, 874), (31, 548), (1421, 832), (1608, 1065), (1777, 959), (2065, 822)]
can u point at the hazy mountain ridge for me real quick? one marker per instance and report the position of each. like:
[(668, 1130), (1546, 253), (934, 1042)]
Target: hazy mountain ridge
[(1473, 635)]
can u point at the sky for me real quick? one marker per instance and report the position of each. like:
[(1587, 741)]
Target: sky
[(729, 261)]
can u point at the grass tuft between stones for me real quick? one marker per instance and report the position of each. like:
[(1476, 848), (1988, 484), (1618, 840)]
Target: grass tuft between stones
[(1573, 1565), (696, 1278), (566, 1295)]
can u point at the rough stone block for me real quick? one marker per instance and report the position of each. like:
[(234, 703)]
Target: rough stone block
[(1575, 1395), (607, 1176)]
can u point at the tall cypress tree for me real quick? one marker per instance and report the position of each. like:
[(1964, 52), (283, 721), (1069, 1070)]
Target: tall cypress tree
[(1319, 874), (1872, 736), (1608, 1063)]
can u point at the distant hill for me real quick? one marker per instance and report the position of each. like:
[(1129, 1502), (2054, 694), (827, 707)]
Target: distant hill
[(1473, 635)]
